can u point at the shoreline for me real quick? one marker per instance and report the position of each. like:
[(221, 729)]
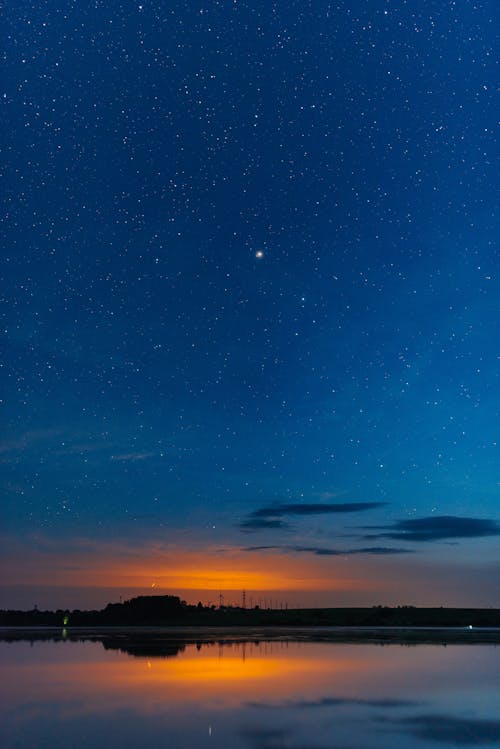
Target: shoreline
[(155, 636)]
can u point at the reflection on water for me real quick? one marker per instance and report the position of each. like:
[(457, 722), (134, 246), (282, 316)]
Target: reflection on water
[(122, 691)]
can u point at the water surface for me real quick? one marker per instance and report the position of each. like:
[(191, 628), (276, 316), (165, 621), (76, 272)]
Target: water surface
[(118, 693)]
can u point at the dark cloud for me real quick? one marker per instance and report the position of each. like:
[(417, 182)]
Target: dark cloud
[(382, 550), (321, 508), (377, 550), (450, 730), (437, 528), (327, 552), (271, 517)]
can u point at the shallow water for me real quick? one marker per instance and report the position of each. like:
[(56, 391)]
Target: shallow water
[(115, 693)]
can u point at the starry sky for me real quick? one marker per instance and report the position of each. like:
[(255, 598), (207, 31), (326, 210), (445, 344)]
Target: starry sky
[(250, 302)]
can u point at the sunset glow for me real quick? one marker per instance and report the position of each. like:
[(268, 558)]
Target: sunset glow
[(97, 573), (178, 568)]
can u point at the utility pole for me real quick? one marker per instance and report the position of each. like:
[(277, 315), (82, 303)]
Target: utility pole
[(221, 599), (244, 600)]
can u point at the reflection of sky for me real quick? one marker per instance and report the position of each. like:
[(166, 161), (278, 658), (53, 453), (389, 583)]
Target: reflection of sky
[(252, 696)]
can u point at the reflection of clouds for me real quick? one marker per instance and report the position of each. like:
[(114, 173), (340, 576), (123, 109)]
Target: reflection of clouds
[(265, 738), (451, 730), (251, 695), (278, 738), (334, 702)]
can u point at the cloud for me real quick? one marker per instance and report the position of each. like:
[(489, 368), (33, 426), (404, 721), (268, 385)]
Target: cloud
[(253, 524), (321, 508), (271, 517), (437, 528), (450, 730), (28, 439), (134, 456), (328, 552)]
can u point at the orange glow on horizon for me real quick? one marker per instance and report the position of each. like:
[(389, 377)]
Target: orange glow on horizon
[(170, 569)]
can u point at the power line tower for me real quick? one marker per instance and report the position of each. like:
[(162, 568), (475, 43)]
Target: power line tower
[(221, 600)]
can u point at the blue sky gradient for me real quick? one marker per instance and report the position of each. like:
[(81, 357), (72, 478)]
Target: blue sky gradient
[(250, 262)]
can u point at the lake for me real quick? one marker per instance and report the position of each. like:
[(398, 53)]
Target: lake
[(121, 691)]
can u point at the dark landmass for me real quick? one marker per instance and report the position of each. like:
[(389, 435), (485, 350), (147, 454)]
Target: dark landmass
[(171, 611)]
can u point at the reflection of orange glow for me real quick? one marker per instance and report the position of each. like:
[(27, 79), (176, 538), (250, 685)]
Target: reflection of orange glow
[(197, 671), (77, 694), (225, 675), (229, 680), (85, 677)]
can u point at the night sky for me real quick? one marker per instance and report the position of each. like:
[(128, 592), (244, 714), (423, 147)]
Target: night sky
[(250, 302)]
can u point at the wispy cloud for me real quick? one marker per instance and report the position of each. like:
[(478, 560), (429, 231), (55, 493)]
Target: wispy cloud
[(134, 456), (27, 439), (436, 528), (253, 523)]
